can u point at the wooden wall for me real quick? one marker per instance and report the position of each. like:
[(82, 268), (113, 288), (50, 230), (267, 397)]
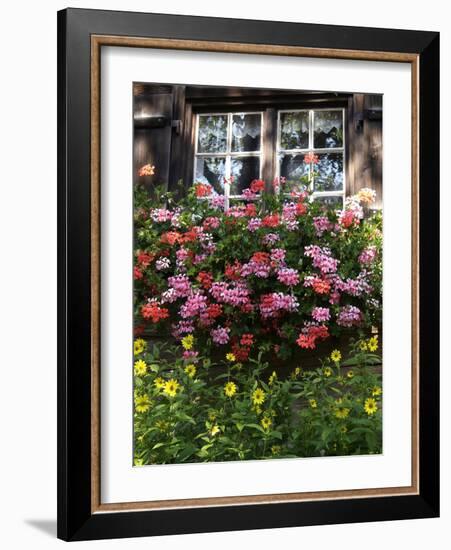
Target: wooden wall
[(171, 147)]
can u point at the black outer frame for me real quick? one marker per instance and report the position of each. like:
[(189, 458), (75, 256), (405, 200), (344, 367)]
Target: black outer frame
[(75, 520)]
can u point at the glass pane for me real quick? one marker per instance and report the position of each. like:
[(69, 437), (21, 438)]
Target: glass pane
[(212, 171), (331, 201), (212, 134), (244, 170), (246, 132), (329, 172), (294, 130), (295, 170), (328, 129)]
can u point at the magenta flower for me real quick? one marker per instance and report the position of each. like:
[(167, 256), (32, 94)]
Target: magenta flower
[(321, 314), (220, 335), (288, 276)]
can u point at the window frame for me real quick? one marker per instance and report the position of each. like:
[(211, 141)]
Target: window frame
[(311, 148), (229, 154)]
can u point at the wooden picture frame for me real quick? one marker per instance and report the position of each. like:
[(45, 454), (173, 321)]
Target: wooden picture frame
[(81, 35)]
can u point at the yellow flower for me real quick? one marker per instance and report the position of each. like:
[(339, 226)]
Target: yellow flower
[(140, 367), (275, 449), (230, 389), (171, 387), (159, 383), (363, 345), (215, 430), (313, 403), (258, 396), (342, 412), (343, 429), (188, 341), (272, 378), (231, 357), (327, 372), (335, 356), (139, 346), (373, 343), (190, 370), (212, 416), (266, 422), (377, 390), (350, 374), (138, 462), (370, 406), (142, 403)]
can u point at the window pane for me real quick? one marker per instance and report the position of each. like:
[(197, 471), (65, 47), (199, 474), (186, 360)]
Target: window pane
[(295, 170), (244, 170), (329, 172), (212, 136), (328, 129), (331, 201), (294, 130), (246, 132), (212, 171)]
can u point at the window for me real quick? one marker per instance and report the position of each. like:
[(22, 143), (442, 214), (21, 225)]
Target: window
[(228, 144), (319, 132)]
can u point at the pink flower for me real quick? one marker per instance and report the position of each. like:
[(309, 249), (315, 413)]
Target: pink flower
[(322, 258), (194, 305), (349, 316), (254, 224), (181, 285), (321, 314), (220, 335), (322, 224), (271, 305), (288, 276), (368, 255)]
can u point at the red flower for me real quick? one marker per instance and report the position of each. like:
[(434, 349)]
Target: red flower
[(271, 221), (301, 209), (191, 235), (146, 170), (247, 339), (321, 286), (205, 279), (170, 237), (233, 272), (144, 259), (251, 210), (153, 311), (311, 158), (214, 310), (137, 273), (257, 186), (138, 330), (312, 334), (260, 257), (241, 353), (202, 190), (306, 342)]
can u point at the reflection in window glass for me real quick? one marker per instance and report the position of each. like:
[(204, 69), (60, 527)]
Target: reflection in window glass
[(331, 201), (246, 132), (295, 170), (328, 174), (294, 130), (328, 129), (212, 134), (244, 170), (211, 170)]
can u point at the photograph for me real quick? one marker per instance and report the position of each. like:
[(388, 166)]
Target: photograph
[(257, 273)]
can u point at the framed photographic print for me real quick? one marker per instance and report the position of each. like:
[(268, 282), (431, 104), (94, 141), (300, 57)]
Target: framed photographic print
[(248, 274)]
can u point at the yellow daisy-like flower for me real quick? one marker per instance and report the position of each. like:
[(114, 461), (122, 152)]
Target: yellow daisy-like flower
[(377, 390), (327, 372), (231, 357), (370, 406), (188, 342), (350, 374), (313, 403), (230, 389), (139, 346), (266, 422), (171, 387), (373, 344), (363, 345), (159, 383), (215, 430), (258, 396), (272, 378), (142, 403), (190, 370), (342, 412), (335, 356), (275, 449), (140, 368), (138, 462)]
